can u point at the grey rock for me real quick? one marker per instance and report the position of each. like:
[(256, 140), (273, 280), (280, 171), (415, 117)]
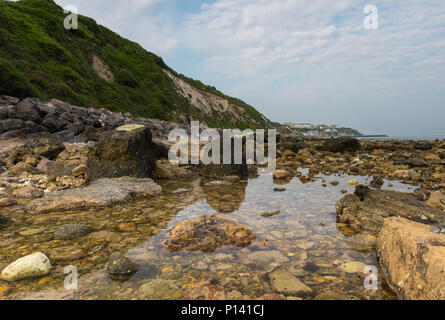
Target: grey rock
[(120, 267), (71, 231)]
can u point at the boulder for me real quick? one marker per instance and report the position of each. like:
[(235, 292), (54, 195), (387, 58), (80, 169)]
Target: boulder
[(26, 110), (30, 266), (104, 192), (122, 153), (207, 233), (293, 145), (343, 144), (214, 170), (120, 267), (71, 231), (412, 258), (367, 212)]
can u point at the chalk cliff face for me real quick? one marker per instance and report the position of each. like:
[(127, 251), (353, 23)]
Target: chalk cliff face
[(212, 105)]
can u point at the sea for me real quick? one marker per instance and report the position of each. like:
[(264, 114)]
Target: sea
[(413, 138)]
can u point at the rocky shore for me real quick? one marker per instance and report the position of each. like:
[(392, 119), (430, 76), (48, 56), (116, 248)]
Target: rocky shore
[(60, 159)]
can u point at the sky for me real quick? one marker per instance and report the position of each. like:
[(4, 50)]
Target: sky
[(301, 60)]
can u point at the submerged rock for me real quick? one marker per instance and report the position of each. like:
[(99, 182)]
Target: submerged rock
[(367, 214), (412, 259), (30, 266), (120, 267), (207, 233), (71, 231), (102, 193), (166, 170), (361, 242), (29, 192), (284, 282)]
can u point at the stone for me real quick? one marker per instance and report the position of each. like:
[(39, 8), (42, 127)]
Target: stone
[(353, 267), (26, 110), (343, 144), (6, 202), (377, 182), (217, 183), (406, 174), (122, 153), (207, 233), (334, 183), (284, 282), (264, 258), (31, 232), (80, 170), (353, 182), (21, 167), (412, 258), (293, 145), (28, 192), (120, 267), (4, 220), (437, 200), (333, 295), (361, 242), (160, 289), (164, 169), (30, 266), (102, 193), (368, 214), (361, 191), (270, 213), (71, 231), (281, 174)]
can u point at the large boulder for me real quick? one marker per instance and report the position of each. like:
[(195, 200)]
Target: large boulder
[(126, 152), (207, 233), (102, 193), (30, 266), (412, 258), (343, 144), (215, 170), (366, 209)]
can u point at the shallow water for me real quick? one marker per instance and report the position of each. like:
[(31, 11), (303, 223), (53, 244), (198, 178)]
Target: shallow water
[(304, 230)]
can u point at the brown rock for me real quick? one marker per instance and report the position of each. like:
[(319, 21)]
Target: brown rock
[(368, 215), (6, 202), (281, 174), (207, 233), (166, 170), (413, 259), (80, 170), (437, 200), (29, 192)]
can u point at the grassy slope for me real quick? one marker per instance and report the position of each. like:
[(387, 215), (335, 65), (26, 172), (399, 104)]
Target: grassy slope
[(38, 57)]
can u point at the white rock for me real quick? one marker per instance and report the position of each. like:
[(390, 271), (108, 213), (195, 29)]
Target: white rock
[(30, 266)]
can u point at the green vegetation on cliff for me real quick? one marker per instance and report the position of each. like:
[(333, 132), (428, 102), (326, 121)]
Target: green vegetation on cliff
[(40, 58)]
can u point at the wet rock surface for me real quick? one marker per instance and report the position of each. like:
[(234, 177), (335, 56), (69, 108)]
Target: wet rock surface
[(366, 212), (207, 233), (102, 193), (412, 258)]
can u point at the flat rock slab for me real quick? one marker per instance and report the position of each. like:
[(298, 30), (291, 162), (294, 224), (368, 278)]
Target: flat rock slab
[(284, 282), (412, 258), (368, 214), (104, 192), (207, 233)]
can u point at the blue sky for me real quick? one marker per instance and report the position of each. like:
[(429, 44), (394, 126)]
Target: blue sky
[(301, 60)]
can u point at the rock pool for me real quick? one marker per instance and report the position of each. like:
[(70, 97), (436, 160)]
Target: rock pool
[(300, 251)]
